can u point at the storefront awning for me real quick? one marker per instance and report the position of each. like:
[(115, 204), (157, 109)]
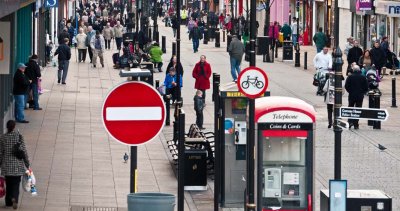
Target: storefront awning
[(389, 8)]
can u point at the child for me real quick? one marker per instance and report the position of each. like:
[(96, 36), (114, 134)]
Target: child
[(170, 83), (198, 107)]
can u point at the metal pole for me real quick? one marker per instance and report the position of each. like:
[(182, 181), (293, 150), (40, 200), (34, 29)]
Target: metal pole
[(181, 161), (297, 54), (266, 23), (155, 25), (394, 92), (250, 205), (163, 44), (133, 177), (137, 18), (217, 166), (338, 63), (178, 47)]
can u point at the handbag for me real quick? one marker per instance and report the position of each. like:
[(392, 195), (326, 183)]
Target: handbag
[(17, 149), (315, 81)]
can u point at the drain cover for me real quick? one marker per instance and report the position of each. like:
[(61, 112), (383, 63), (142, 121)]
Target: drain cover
[(83, 208)]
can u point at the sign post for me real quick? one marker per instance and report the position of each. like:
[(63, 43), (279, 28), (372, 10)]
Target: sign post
[(252, 82), (364, 113), (133, 118)]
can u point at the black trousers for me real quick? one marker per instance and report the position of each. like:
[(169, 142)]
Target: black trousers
[(330, 113), (90, 54), (81, 55), (12, 189), (108, 44), (199, 118), (355, 103)]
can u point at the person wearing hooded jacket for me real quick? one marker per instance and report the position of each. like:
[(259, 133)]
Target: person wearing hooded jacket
[(32, 71)]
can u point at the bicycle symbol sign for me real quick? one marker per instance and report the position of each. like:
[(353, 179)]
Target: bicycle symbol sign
[(252, 82)]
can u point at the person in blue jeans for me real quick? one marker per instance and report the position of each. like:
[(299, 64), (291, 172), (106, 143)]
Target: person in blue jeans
[(32, 71), (236, 50), (64, 55), (21, 85), (195, 35)]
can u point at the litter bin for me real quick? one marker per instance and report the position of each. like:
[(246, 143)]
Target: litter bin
[(151, 201), (287, 50), (195, 169)]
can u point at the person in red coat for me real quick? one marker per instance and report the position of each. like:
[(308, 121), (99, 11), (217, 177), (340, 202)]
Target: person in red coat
[(202, 74)]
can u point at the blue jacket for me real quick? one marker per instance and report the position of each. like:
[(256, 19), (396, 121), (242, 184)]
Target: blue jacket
[(169, 79)]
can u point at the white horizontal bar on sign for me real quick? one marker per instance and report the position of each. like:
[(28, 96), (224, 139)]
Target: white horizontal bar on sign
[(133, 113)]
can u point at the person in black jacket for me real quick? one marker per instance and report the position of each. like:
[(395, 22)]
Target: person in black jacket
[(20, 89), (32, 71), (198, 107), (64, 55), (64, 34), (174, 63), (354, 55), (356, 85), (378, 57)]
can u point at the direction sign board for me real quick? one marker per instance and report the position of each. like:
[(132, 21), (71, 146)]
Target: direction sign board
[(252, 82), (133, 113), (364, 113)]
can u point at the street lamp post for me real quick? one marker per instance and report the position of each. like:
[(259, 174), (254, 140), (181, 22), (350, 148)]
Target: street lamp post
[(155, 24), (338, 63), (250, 150), (266, 22), (297, 54)]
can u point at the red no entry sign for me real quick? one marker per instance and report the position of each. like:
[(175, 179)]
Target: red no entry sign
[(133, 113)]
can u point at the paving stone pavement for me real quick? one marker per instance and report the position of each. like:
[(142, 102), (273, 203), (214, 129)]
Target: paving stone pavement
[(77, 164)]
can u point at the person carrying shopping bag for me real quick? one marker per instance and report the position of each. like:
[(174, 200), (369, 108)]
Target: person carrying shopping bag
[(14, 162)]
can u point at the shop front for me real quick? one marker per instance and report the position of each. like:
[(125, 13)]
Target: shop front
[(364, 22), (323, 17), (388, 19)]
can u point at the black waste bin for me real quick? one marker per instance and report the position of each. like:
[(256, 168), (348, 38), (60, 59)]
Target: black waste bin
[(151, 201), (287, 50), (195, 170)]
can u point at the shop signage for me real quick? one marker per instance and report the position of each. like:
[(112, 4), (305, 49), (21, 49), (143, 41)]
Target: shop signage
[(388, 8), (364, 5), (285, 126), (51, 3), (393, 10), (285, 116), (5, 47)]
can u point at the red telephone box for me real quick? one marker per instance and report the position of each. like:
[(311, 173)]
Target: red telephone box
[(285, 154)]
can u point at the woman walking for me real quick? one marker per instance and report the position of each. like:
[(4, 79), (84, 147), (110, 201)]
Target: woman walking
[(12, 168)]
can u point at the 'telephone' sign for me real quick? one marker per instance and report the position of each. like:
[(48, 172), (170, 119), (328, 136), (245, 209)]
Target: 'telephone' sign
[(51, 3)]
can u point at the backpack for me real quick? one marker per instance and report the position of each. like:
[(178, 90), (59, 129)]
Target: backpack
[(97, 44)]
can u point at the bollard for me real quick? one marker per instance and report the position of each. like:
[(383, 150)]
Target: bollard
[(377, 102), (157, 84), (174, 48), (205, 38), (384, 71), (305, 60), (149, 32), (394, 93), (223, 35), (167, 99), (371, 104), (163, 42), (276, 50), (229, 42), (217, 39)]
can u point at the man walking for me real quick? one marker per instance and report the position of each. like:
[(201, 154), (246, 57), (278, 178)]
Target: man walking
[(64, 55), (195, 36), (108, 34), (118, 32), (32, 71), (98, 46), (81, 45), (21, 84), (356, 85), (378, 57), (236, 50), (353, 55), (320, 40), (91, 33)]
